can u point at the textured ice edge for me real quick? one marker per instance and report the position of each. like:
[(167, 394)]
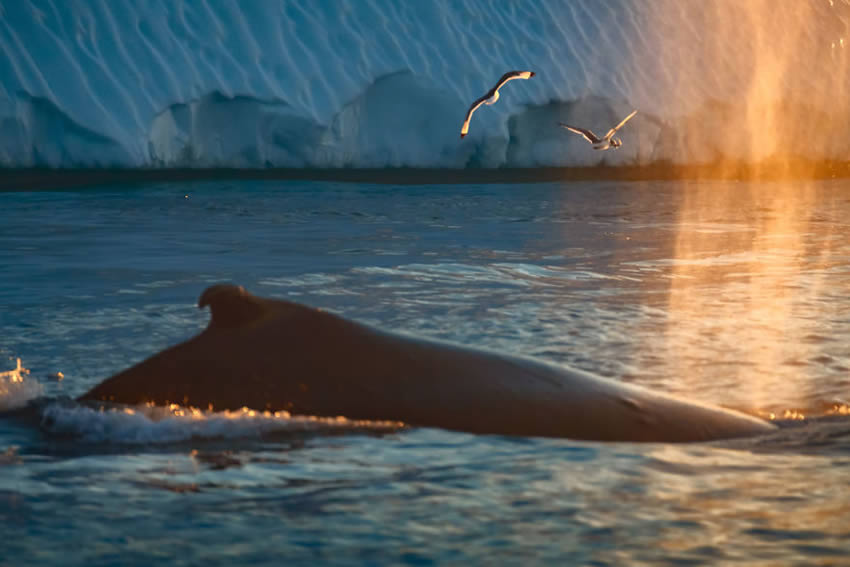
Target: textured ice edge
[(376, 83), (399, 122)]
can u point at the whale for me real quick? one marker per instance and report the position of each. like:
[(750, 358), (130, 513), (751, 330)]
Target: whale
[(277, 355)]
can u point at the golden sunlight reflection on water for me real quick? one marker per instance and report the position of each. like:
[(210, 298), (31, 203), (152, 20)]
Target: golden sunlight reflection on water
[(750, 285), (749, 261)]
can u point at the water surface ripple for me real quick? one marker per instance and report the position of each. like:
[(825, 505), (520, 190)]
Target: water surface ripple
[(729, 293)]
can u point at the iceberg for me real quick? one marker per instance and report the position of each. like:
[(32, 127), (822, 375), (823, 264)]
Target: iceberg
[(377, 83)]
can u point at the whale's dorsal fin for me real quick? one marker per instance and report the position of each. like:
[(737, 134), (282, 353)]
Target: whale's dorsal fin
[(230, 305)]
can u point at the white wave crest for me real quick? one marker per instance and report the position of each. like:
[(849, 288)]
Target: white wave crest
[(147, 424), (16, 389)]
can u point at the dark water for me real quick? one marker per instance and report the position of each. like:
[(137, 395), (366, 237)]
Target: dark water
[(729, 293)]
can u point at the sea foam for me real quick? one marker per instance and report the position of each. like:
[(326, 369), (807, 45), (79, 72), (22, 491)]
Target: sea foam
[(149, 424), (17, 389)]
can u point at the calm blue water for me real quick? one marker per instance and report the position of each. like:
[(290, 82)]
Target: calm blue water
[(729, 293)]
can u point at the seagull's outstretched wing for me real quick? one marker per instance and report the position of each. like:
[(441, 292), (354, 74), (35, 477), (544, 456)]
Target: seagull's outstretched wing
[(510, 76), (588, 135), (465, 128), (620, 125)]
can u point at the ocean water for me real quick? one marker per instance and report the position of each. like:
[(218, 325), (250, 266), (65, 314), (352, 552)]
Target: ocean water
[(726, 292)]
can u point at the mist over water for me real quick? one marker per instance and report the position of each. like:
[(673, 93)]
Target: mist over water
[(773, 75), (771, 246)]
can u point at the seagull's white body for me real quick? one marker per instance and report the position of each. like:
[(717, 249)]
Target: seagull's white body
[(492, 96), (605, 142)]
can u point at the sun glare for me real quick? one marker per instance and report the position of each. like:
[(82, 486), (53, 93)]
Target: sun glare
[(749, 260)]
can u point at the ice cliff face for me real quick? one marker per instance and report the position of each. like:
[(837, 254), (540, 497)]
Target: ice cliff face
[(375, 83)]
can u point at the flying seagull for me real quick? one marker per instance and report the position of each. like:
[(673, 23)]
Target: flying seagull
[(605, 142), (492, 95)]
